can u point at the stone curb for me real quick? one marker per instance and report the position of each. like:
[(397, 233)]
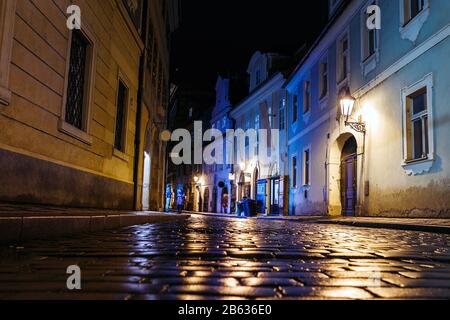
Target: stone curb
[(18, 229), (393, 226)]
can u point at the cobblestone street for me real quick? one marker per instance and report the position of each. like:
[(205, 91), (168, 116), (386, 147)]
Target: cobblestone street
[(214, 258)]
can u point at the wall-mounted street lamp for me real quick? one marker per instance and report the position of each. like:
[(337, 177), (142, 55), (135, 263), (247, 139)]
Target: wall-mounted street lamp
[(347, 104)]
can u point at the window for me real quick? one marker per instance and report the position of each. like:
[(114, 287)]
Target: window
[(282, 111), (412, 8), (258, 77), (79, 83), (343, 58), (76, 87), (122, 98), (413, 15), (306, 96), (294, 108), (418, 126), (306, 167), (191, 113), (369, 36), (7, 16), (294, 172), (323, 75)]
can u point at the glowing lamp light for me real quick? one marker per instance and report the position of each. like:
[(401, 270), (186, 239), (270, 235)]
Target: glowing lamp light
[(347, 103), (196, 179)]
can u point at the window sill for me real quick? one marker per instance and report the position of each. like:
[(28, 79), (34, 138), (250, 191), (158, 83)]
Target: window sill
[(307, 116), (418, 167), (5, 96), (323, 102), (76, 133), (411, 29), (121, 155), (369, 64)]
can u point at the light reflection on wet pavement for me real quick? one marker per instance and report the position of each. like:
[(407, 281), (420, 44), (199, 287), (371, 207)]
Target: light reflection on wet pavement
[(216, 258)]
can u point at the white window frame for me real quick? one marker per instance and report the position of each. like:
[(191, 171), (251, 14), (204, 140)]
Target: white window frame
[(324, 96), (7, 21), (304, 169), (340, 77), (84, 134), (368, 61), (420, 166), (410, 27)]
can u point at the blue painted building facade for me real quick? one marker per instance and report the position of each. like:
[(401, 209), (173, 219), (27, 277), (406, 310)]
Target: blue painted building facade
[(399, 77)]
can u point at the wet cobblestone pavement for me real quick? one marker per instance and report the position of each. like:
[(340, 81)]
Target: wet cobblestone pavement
[(213, 258)]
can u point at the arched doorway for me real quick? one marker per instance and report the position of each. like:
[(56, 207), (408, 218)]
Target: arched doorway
[(206, 200), (349, 181)]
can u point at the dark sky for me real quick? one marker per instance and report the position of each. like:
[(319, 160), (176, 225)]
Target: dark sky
[(221, 35)]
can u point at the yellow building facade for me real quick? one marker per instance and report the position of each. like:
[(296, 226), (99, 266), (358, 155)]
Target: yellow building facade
[(69, 102)]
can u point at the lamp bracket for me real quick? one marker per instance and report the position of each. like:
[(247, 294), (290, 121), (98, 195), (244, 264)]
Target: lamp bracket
[(357, 126)]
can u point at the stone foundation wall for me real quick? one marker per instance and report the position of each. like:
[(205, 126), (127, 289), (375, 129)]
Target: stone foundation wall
[(24, 179)]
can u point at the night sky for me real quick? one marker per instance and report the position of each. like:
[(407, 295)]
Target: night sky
[(221, 35)]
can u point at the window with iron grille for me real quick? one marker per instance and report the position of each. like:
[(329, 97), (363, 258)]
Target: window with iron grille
[(122, 94), (77, 78)]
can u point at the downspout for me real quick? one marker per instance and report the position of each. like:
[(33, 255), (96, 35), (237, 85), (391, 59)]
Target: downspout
[(140, 95)]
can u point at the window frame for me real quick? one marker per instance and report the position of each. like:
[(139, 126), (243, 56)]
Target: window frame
[(324, 60), (411, 165), (121, 78), (307, 96), (369, 61), (294, 108), (410, 26), (340, 76), (294, 171), (82, 135), (7, 24), (306, 168)]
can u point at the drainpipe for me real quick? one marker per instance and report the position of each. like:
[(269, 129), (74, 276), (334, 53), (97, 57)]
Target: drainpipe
[(140, 95)]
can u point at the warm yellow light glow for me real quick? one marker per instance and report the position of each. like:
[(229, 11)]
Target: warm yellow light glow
[(196, 179), (347, 103)]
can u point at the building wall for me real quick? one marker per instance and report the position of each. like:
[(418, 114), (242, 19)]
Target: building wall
[(385, 187)]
